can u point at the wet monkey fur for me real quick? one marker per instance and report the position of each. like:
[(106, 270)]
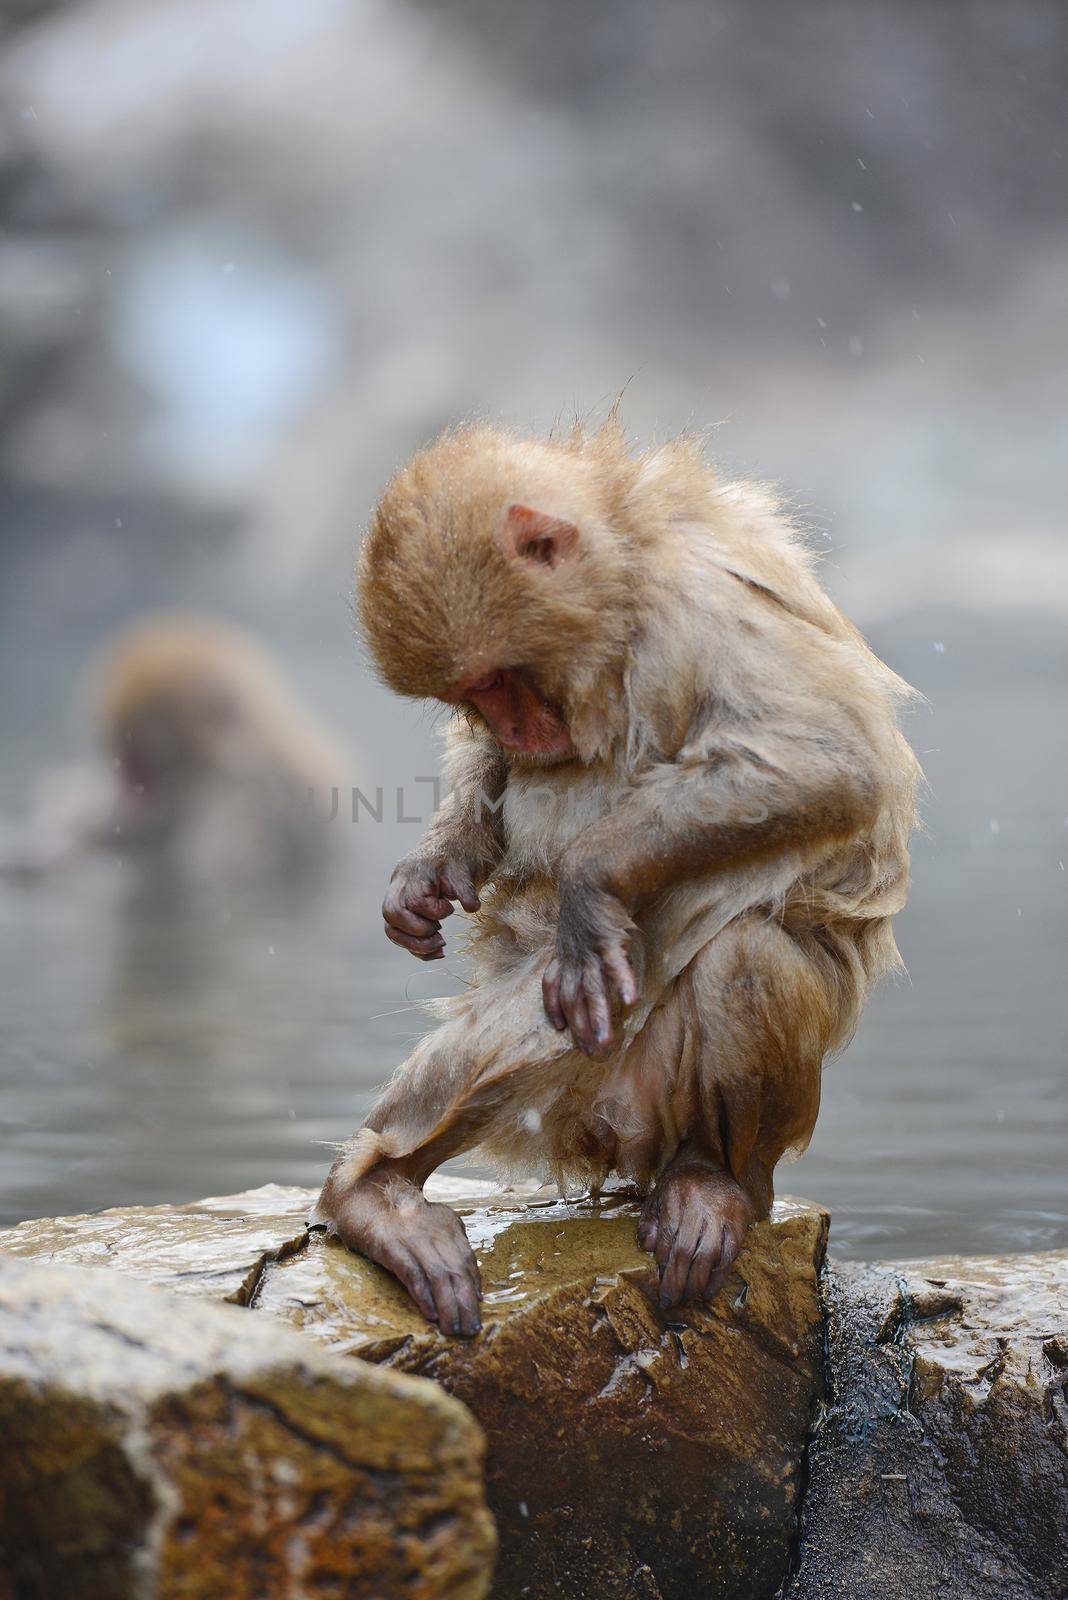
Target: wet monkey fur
[(680, 821)]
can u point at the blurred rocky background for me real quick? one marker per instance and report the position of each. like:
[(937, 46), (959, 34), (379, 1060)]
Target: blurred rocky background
[(251, 254)]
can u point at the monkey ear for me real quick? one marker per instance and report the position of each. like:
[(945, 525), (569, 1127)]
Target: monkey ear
[(534, 537)]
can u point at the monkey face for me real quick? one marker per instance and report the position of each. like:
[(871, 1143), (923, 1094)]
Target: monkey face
[(154, 752), (518, 715), (176, 740)]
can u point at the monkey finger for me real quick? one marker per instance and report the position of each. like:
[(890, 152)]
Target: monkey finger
[(716, 1279), (673, 1280), (571, 1003), (405, 921), (430, 905), (621, 973), (598, 1010), (703, 1265), (550, 996), (426, 949), (458, 886), (410, 941), (663, 1243), (579, 1021), (444, 1288), (647, 1231), (458, 1258), (732, 1240)]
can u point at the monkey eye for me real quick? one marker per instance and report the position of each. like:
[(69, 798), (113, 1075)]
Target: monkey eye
[(492, 680)]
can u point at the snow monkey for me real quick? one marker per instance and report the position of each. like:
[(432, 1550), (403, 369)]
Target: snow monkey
[(680, 819), (208, 760)]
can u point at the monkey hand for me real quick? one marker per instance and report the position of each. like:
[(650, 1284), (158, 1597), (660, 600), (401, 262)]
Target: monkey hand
[(420, 895), (589, 980)]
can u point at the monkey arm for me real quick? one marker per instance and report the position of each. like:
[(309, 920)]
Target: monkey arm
[(470, 826), (738, 800), (458, 853), (727, 799)]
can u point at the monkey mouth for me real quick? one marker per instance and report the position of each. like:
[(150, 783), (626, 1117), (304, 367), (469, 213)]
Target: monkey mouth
[(518, 715)]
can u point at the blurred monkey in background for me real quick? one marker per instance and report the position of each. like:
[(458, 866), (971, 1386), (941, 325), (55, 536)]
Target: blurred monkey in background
[(681, 815), (213, 770)]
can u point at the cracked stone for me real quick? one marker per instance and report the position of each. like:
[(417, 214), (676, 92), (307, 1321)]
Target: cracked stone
[(940, 1470), (180, 1451)]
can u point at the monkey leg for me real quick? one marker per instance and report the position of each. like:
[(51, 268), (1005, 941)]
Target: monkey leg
[(462, 1079), (721, 1079), (748, 1023)]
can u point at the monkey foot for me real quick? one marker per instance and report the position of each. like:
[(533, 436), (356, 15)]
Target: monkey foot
[(387, 1218), (694, 1222)]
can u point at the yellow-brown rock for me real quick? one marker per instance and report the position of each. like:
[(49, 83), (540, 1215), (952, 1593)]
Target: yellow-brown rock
[(171, 1450), (630, 1452)]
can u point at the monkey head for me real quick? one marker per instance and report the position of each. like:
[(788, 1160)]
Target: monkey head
[(178, 707), (494, 578)]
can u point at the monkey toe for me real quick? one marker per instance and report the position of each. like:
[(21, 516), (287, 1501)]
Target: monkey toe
[(410, 1274), (676, 1275), (452, 1272), (732, 1241), (647, 1225), (456, 1302)]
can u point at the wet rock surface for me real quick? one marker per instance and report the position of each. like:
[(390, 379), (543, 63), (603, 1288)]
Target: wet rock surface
[(215, 1247), (630, 1452), (940, 1470), (166, 1449)]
